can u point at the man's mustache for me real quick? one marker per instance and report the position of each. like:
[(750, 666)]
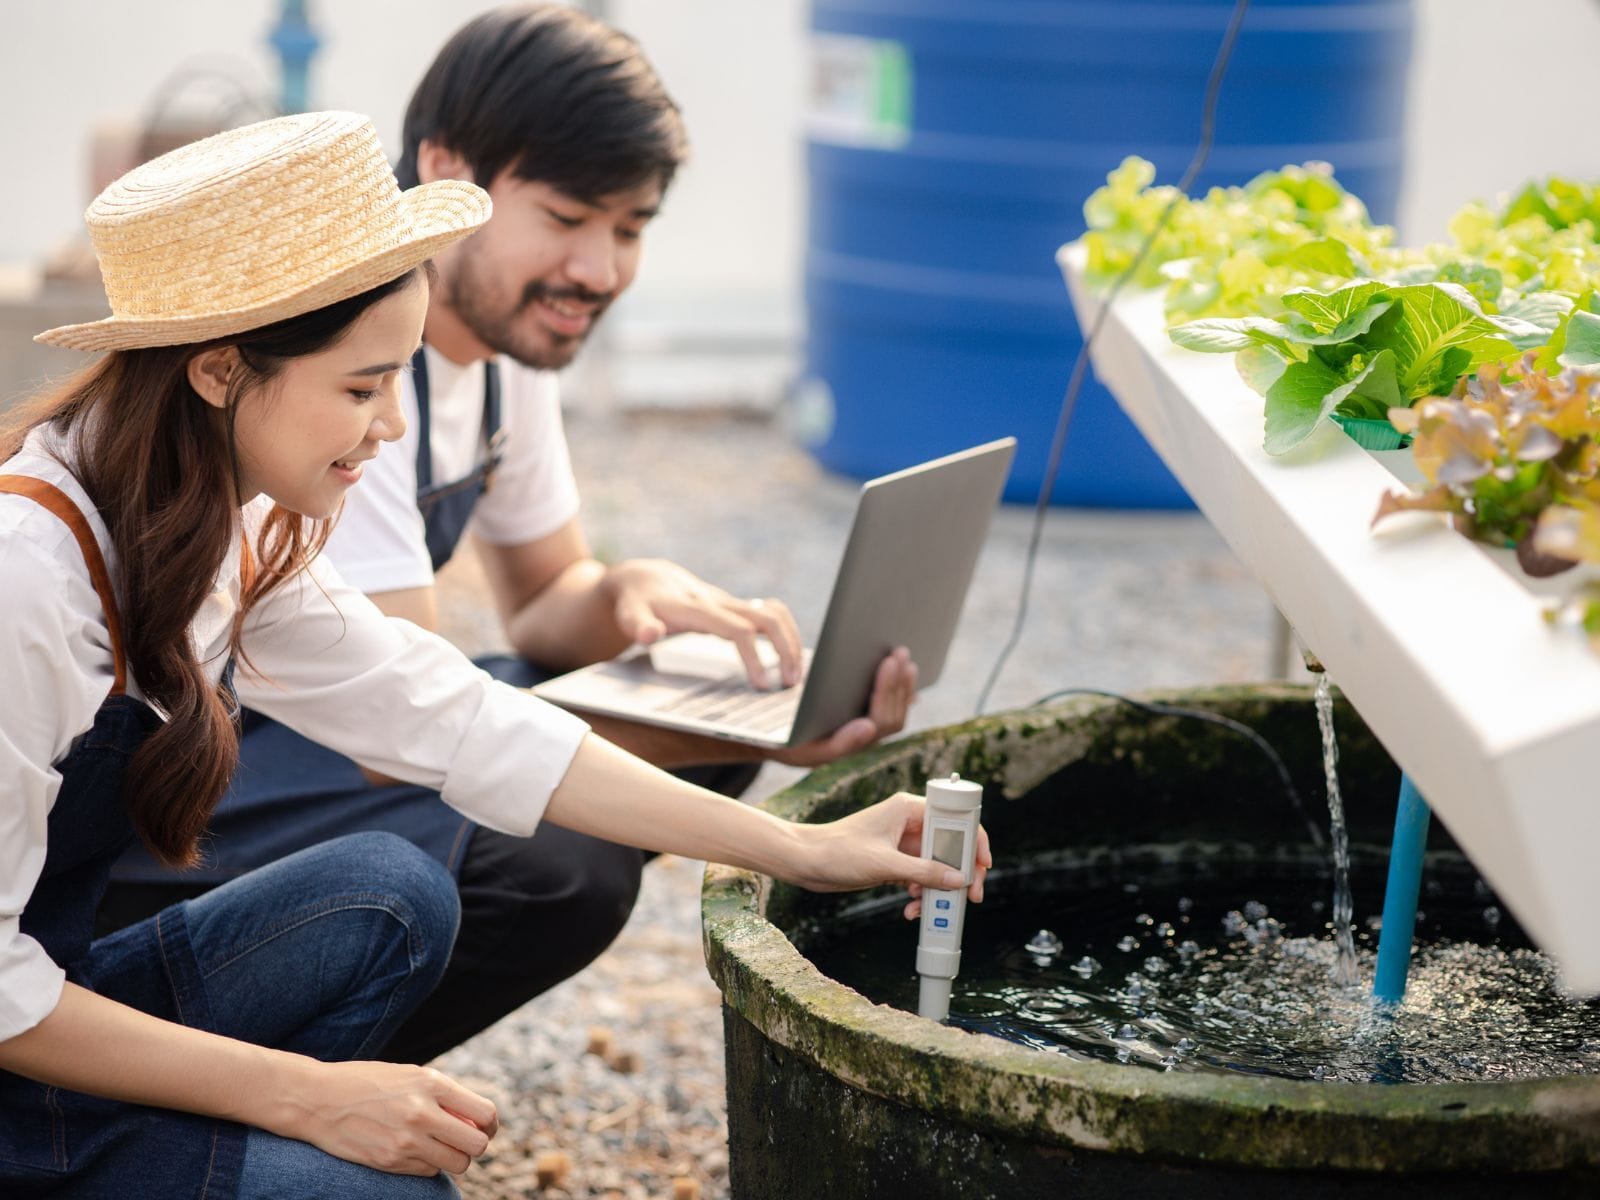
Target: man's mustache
[(537, 292)]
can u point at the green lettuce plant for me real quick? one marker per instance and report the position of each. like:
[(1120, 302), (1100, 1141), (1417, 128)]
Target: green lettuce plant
[(1326, 316), (1234, 250), (1359, 350)]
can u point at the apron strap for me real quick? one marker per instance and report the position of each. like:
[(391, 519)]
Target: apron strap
[(57, 501), (419, 380), (493, 435)]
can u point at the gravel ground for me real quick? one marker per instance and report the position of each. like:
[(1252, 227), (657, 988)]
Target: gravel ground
[(612, 1084)]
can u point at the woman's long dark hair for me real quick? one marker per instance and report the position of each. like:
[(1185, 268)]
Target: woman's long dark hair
[(161, 467)]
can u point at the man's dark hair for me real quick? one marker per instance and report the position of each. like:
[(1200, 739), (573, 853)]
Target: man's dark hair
[(551, 93)]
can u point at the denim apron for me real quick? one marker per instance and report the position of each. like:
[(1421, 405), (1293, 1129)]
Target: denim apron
[(278, 801), (55, 1142), (447, 507)]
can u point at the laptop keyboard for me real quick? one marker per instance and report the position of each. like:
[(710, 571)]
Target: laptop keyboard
[(732, 701)]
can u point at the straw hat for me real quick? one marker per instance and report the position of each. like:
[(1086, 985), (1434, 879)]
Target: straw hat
[(258, 224)]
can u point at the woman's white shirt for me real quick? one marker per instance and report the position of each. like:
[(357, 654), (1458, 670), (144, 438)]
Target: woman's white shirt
[(322, 660)]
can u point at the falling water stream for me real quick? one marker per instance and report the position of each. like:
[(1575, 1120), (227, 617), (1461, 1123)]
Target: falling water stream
[(1345, 970)]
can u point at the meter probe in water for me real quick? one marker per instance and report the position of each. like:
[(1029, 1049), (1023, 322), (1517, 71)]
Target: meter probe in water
[(949, 836)]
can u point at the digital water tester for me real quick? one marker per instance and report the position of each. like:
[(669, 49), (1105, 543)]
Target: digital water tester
[(950, 836)]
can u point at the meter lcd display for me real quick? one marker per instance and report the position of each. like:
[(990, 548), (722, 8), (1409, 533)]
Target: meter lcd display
[(947, 846)]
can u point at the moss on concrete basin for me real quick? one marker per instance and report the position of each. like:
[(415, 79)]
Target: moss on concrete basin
[(830, 1094)]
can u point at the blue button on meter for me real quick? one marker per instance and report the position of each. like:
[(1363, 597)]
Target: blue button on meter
[(941, 904), (941, 922)]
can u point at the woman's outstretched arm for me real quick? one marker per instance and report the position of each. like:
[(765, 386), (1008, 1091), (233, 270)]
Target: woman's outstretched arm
[(610, 794)]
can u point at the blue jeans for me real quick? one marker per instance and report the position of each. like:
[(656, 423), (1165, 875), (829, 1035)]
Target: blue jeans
[(325, 953), (278, 1168)]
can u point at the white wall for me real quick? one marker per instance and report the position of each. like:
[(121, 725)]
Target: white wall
[(1499, 95), (67, 64)]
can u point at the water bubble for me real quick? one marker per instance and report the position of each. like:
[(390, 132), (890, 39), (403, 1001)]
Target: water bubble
[(1188, 950), (1480, 889), (1320, 1071), (1127, 1033), (1187, 1045), (1044, 945), (1124, 1054), (1044, 1004), (1130, 888), (1169, 1061), (1165, 930), (1128, 942), (1185, 904), (1491, 915), (1155, 966), (1085, 966), (1254, 910), (1233, 923), (1144, 919)]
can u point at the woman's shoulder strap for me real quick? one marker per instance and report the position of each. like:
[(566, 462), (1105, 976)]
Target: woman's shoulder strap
[(58, 502)]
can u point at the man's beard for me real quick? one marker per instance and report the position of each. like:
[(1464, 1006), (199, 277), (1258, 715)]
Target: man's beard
[(506, 331)]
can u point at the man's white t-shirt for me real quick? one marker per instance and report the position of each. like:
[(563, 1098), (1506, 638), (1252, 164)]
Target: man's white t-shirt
[(380, 544)]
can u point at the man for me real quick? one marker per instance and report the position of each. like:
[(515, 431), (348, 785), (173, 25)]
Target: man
[(569, 129)]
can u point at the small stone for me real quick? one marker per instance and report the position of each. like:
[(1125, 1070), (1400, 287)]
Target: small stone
[(623, 1062), (550, 1167), (600, 1041), (685, 1187)]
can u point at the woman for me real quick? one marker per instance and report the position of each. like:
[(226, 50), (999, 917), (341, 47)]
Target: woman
[(157, 530)]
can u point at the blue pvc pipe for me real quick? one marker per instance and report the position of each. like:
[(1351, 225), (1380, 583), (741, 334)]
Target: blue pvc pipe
[(1400, 894), (295, 41)]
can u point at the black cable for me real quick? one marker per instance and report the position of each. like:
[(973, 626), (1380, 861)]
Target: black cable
[(1069, 401), (1200, 714)]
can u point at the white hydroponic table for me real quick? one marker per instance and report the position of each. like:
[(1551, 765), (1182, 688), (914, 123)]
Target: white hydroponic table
[(1440, 643)]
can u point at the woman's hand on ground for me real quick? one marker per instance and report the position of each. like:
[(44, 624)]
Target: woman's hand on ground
[(894, 687), (882, 844), (402, 1119)]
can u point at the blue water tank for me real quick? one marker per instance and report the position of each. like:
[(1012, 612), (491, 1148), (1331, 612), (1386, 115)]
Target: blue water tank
[(952, 145)]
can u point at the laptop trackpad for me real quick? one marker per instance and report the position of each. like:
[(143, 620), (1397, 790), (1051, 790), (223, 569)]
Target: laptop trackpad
[(706, 656)]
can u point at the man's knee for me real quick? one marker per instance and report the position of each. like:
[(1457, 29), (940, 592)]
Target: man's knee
[(613, 888), (556, 886)]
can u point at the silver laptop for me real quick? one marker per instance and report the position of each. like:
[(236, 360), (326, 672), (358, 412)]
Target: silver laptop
[(913, 547)]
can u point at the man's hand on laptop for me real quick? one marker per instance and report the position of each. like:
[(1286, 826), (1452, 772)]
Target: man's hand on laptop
[(652, 597), (893, 689)]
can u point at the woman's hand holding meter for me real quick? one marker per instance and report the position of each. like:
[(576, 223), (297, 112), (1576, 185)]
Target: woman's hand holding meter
[(601, 797), (881, 844)]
